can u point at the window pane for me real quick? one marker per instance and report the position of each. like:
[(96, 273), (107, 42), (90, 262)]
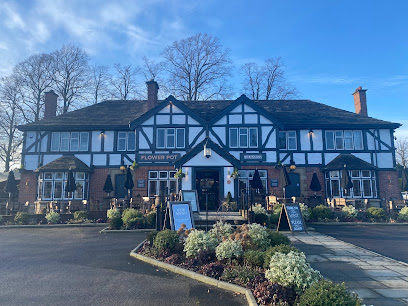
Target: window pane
[(163, 174), (83, 146), (180, 138), (243, 137), (80, 175), (59, 175), (348, 140), (356, 188), (153, 174), (335, 188), (253, 137), (365, 173), (170, 138), (334, 174), (355, 173), (48, 175), (160, 138), (131, 144), (292, 140), (152, 188), (374, 187), (358, 140), (122, 141), (367, 188), (40, 189), (172, 173), (74, 141), (55, 141), (173, 186), (339, 140), (329, 140), (282, 140), (163, 187), (58, 190), (233, 138), (79, 192), (47, 190), (65, 141)]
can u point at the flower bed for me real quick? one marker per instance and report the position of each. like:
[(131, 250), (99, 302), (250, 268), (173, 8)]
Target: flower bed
[(251, 256)]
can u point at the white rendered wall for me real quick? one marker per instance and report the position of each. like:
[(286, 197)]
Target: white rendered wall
[(202, 161), (96, 141), (187, 181), (317, 138), (49, 158), (31, 162), (44, 143), (363, 156), (109, 138), (99, 159), (385, 160), (304, 140), (385, 136), (85, 158), (220, 132), (328, 157), (314, 158), (228, 187)]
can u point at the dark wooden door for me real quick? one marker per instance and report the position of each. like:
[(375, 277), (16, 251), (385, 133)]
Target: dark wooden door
[(293, 190), (208, 182), (120, 191)]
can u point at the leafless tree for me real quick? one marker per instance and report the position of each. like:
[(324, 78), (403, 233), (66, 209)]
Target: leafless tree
[(401, 150), (267, 80), (10, 118), (99, 83), (71, 75), (124, 82), (153, 70), (198, 67), (36, 76)]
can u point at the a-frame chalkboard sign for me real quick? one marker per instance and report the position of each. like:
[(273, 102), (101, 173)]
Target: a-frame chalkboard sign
[(291, 218)]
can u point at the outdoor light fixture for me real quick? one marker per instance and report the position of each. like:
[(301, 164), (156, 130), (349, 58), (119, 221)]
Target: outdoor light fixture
[(310, 131), (292, 165), (122, 168), (207, 151)]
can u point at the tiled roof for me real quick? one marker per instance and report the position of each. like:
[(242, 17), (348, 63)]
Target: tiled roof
[(63, 163), (352, 163), (290, 113)]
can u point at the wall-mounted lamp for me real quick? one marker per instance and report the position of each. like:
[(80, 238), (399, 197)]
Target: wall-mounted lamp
[(310, 132), (292, 165), (207, 151), (122, 168)]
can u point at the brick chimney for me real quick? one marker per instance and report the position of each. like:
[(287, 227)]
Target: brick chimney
[(50, 104), (152, 90), (360, 101)]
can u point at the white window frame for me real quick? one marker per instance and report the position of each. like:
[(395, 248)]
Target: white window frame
[(175, 134), (157, 176), (125, 138), (288, 135), (80, 178), (241, 134), (356, 177), (341, 134), (63, 141)]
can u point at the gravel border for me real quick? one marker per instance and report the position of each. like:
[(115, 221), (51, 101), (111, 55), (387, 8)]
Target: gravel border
[(199, 277)]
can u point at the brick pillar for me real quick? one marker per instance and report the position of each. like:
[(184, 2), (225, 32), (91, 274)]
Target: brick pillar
[(360, 101), (152, 90), (50, 104)]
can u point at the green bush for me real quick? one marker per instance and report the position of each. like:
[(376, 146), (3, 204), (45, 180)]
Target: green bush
[(150, 237), (166, 240), (322, 212), (277, 238), (198, 241), (261, 219), (115, 223), (80, 215), (151, 219), (325, 293), (129, 214), (277, 209), (259, 235), (137, 222), (241, 274), (220, 230), (274, 219), (22, 218), (254, 258), (376, 214), (229, 249), (282, 248), (402, 215), (53, 217), (113, 213)]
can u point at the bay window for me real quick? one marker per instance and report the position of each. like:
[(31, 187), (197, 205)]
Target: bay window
[(51, 186), (364, 184)]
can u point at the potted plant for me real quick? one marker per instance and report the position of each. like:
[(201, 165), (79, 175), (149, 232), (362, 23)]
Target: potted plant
[(179, 174), (235, 174), (134, 166)]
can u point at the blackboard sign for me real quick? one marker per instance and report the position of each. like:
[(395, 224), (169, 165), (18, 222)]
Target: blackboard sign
[(140, 183), (180, 213), (291, 218), (192, 197)]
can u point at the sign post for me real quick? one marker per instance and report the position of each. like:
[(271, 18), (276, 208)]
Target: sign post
[(291, 218), (180, 213)]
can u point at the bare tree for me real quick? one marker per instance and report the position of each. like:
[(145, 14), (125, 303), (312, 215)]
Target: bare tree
[(124, 82), (198, 67), (99, 83), (10, 117), (36, 76), (401, 150), (267, 80), (71, 74)]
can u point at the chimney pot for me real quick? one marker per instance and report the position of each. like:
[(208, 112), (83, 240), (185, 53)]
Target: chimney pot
[(152, 90), (360, 101), (50, 104)]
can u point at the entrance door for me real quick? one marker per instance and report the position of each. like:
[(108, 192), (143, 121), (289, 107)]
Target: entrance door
[(120, 191), (293, 190), (208, 182)]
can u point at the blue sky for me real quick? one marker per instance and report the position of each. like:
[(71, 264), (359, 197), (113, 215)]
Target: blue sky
[(329, 47)]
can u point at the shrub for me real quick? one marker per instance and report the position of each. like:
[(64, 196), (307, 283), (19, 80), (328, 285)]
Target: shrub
[(199, 241), (53, 217), (115, 223), (277, 238), (220, 230), (261, 219), (166, 240), (229, 249), (306, 211), (267, 293), (325, 293), (259, 235), (282, 248), (151, 219), (402, 215), (376, 214), (22, 218), (258, 209), (322, 212), (273, 219), (80, 215), (150, 237), (349, 211), (113, 213), (254, 258), (240, 274), (137, 222), (129, 214), (277, 209), (213, 270), (292, 270)]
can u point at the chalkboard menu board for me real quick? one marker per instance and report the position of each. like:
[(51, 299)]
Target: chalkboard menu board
[(180, 213), (291, 218), (192, 197)]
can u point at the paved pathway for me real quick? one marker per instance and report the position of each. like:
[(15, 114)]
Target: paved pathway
[(378, 280)]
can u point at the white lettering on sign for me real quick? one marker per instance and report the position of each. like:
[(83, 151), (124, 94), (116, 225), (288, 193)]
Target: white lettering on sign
[(247, 156), (160, 157)]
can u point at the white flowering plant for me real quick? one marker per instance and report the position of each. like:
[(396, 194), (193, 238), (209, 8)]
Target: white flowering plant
[(350, 211), (113, 213), (306, 211), (53, 217), (403, 214), (229, 249), (220, 230), (199, 241), (292, 270), (258, 209), (259, 235)]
